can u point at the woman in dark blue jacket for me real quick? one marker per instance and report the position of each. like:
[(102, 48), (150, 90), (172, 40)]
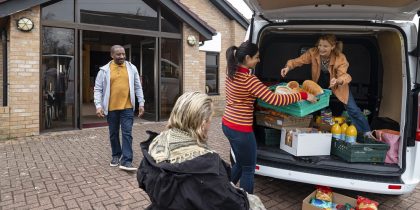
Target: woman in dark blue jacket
[(179, 171)]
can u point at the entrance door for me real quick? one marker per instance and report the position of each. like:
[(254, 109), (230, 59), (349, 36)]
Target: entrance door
[(148, 78)]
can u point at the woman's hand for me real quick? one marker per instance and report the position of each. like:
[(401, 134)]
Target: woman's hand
[(335, 82), (311, 98), (284, 71)]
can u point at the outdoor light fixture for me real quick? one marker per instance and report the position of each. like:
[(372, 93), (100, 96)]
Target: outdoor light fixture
[(25, 24), (191, 40)]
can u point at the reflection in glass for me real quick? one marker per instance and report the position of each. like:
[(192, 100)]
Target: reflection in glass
[(58, 87), (170, 75), (62, 10), (147, 62), (212, 73), (128, 14), (170, 23)]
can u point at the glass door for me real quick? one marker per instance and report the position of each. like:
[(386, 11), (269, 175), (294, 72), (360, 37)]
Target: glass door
[(148, 78), (58, 79), (170, 75)]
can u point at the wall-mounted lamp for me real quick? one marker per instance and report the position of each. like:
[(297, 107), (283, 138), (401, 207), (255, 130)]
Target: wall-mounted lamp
[(191, 40), (25, 24)]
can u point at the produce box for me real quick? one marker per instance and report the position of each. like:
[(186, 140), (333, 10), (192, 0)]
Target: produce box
[(365, 150), (272, 120), (301, 108), (337, 198), (305, 142), (268, 136)]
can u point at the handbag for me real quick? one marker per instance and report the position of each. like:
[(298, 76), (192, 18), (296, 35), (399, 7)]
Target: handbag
[(391, 138)]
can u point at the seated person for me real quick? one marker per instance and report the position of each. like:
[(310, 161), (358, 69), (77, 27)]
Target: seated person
[(180, 171)]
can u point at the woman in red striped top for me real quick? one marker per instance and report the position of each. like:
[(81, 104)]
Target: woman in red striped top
[(242, 88)]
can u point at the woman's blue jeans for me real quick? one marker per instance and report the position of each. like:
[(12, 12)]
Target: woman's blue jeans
[(356, 116), (244, 148), (124, 119)]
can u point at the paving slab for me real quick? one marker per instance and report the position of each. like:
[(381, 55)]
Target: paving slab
[(70, 170)]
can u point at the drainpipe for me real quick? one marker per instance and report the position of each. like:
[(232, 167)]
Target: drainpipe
[(4, 47)]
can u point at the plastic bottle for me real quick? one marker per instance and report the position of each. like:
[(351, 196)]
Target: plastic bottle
[(336, 130), (351, 134), (344, 127)]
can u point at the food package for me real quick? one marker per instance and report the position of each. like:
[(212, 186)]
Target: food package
[(324, 193), (312, 87), (283, 90), (326, 205), (366, 204)]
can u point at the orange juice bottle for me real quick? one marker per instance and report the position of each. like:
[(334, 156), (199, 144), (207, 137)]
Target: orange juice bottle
[(344, 127), (336, 130), (351, 134)]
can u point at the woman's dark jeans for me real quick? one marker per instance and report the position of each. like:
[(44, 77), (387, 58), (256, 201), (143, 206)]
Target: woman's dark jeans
[(244, 148), (356, 116)]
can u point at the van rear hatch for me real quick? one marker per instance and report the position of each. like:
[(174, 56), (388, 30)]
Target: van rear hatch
[(378, 10)]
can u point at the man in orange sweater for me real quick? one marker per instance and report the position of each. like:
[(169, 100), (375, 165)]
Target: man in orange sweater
[(116, 86)]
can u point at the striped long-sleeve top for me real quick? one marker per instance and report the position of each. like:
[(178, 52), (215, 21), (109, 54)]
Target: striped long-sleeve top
[(241, 92)]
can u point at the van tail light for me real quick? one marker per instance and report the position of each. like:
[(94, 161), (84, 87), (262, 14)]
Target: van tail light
[(418, 118), (394, 187), (257, 167)]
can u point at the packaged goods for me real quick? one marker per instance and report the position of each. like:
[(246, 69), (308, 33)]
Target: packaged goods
[(283, 90), (351, 134), (293, 84), (336, 131), (312, 87), (344, 127), (321, 204), (324, 193), (366, 204)]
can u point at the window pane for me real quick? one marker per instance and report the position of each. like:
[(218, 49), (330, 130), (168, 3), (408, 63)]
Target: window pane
[(127, 14), (212, 73), (170, 75), (170, 23), (58, 85), (62, 10), (57, 41), (211, 59)]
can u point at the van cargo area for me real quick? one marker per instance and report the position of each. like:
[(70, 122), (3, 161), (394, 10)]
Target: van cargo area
[(377, 57)]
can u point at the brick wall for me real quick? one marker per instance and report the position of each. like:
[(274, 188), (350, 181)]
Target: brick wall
[(194, 60), (23, 75)]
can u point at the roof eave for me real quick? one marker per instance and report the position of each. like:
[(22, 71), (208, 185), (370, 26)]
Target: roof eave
[(10, 7), (188, 17), (230, 12)]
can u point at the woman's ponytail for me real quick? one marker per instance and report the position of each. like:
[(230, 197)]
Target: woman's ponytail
[(232, 61)]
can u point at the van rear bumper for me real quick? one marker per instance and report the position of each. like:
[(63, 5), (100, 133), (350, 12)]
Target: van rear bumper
[(337, 182)]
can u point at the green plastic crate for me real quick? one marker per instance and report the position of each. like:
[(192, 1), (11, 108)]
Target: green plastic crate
[(269, 136), (301, 108), (366, 151)]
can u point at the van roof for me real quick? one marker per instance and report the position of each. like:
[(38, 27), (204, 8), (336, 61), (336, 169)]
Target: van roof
[(380, 10)]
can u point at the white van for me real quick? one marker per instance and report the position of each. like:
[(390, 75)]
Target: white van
[(380, 43)]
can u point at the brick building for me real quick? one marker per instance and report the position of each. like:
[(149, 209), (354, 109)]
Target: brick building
[(51, 51)]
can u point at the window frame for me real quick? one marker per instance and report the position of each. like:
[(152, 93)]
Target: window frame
[(215, 68)]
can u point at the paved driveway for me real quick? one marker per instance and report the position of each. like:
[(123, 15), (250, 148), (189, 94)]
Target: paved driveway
[(70, 170)]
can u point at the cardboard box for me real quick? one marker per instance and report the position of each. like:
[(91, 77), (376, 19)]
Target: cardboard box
[(337, 198), (279, 121), (306, 142)]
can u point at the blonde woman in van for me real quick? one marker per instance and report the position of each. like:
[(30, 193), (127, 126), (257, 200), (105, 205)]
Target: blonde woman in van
[(329, 70), (242, 88)]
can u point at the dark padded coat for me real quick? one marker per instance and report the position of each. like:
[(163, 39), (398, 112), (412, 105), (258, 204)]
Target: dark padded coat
[(200, 183)]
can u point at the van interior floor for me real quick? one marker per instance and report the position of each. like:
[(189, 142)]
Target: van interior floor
[(330, 162)]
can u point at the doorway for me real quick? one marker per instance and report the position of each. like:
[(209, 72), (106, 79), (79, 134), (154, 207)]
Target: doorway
[(140, 51)]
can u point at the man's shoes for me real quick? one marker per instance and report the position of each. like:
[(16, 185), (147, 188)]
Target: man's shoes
[(115, 161), (128, 167)]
